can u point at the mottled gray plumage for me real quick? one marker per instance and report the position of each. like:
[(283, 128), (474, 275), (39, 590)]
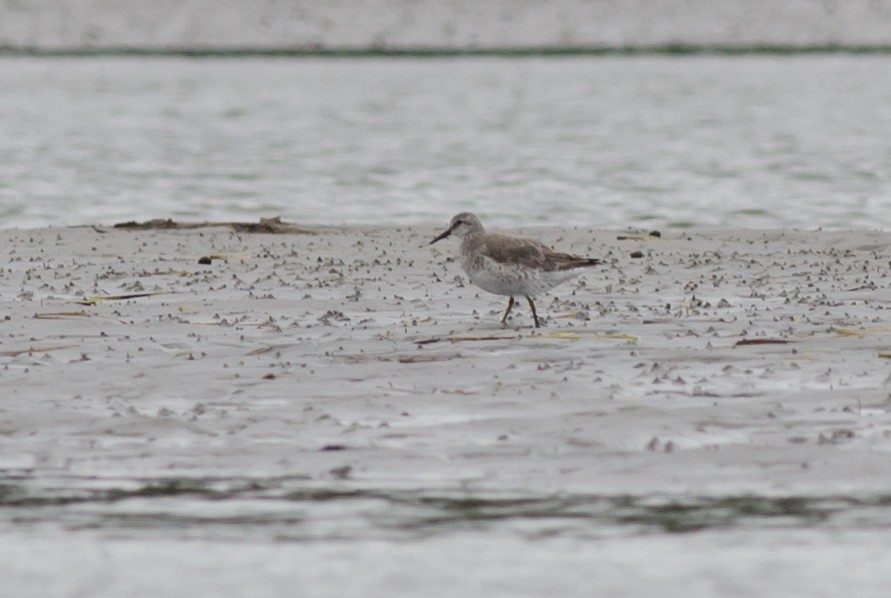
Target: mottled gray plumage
[(507, 265)]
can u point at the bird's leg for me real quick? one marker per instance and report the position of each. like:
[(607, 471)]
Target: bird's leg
[(510, 305), (534, 315)]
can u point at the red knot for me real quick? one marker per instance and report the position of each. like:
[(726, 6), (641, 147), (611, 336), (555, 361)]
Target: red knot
[(507, 265)]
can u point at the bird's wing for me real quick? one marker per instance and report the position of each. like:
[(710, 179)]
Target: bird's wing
[(530, 253)]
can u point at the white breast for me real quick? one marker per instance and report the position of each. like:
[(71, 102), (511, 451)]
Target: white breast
[(513, 279)]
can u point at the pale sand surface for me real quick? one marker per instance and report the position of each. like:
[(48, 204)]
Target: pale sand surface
[(352, 364)]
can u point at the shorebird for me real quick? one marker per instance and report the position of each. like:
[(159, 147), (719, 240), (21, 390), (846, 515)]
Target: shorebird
[(507, 265)]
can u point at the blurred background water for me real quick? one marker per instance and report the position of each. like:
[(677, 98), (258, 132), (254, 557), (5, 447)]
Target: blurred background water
[(650, 140), (784, 122)]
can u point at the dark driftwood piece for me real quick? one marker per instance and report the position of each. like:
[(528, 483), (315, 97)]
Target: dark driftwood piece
[(265, 225)]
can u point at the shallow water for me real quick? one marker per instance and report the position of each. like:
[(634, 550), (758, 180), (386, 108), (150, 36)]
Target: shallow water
[(278, 536), (611, 142)]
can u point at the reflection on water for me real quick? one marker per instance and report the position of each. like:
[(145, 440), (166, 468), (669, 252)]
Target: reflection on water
[(296, 509)]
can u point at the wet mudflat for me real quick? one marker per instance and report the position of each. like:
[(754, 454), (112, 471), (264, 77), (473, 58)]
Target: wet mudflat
[(334, 408)]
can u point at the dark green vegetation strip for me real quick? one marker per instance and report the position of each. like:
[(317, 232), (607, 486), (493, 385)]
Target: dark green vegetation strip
[(432, 52)]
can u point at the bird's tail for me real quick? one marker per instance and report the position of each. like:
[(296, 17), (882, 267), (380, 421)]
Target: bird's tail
[(580, 262)]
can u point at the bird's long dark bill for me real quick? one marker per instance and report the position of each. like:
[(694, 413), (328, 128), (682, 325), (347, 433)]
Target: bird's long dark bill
[(442, 236)]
